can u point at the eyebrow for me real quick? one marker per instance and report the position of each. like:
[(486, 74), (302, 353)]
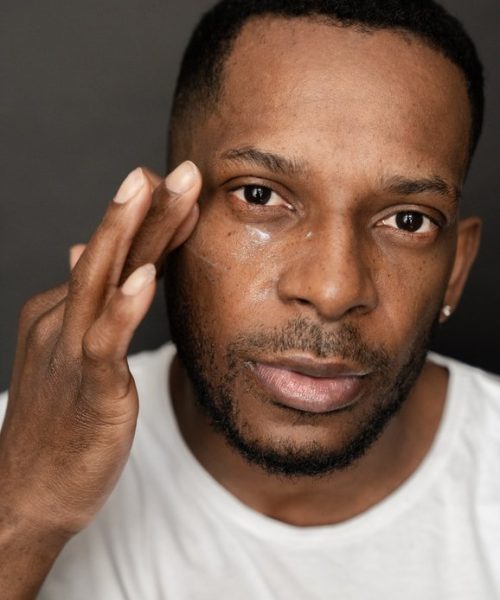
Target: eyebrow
[(435, 184), (270, 161), (396, 184)]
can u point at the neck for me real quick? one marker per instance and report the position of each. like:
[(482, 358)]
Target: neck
[(333, 498)]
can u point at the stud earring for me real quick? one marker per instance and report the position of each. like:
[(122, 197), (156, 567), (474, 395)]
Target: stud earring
[(446, 311)]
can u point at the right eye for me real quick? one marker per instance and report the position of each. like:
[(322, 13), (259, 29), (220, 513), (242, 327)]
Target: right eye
[(260, 195)]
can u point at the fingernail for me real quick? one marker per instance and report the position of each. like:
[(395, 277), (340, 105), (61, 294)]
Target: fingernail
[(139, 279), (130, 186), (182, 178)]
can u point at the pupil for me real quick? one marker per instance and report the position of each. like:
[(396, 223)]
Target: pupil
[(409, 221), (257, 194)]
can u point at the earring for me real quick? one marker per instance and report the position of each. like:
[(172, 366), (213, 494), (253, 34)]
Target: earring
[(446, 311)]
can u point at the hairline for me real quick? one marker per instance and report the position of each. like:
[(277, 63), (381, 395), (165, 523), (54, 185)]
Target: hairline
[(204, 104)]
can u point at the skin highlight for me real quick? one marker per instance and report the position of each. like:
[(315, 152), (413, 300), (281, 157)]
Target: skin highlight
[(346, 140)]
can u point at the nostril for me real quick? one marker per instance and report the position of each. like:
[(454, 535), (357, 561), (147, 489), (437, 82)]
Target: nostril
[(303, 302)]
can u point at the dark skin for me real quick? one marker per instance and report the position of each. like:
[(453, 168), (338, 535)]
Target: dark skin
[(283, 96), (327, 247), (73, 405)]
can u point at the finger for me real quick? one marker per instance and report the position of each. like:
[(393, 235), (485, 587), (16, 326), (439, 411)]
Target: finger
[(44, 332), (106, 343), (183, 232), (39, 327), (159, 233), (103, 256), (74, 254), (36, 306), (154, 178), (101, 264)]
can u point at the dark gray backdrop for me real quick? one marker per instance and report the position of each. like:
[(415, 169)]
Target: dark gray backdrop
[(86, 92)]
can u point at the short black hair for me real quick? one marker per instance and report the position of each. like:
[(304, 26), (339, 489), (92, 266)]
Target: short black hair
[(200, 76)]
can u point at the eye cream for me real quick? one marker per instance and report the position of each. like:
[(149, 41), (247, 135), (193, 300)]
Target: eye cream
[(257, 234), (214, 265)]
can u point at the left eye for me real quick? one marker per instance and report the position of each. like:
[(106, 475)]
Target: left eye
[(259, 195), (410, 221)]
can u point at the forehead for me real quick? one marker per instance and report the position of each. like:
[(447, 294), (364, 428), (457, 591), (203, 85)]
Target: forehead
[(309, 86)]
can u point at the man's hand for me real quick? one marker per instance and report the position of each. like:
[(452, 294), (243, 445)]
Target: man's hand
[(73, 404)]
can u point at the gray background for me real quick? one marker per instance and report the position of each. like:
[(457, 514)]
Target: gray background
[(85, 96)]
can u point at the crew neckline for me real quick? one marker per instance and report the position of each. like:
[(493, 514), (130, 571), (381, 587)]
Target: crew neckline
[(223, 502)]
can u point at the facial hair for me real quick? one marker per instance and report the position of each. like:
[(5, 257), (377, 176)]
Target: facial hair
[(214, 389)]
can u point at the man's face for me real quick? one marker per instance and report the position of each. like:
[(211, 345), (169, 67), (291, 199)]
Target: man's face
[(303, 303)]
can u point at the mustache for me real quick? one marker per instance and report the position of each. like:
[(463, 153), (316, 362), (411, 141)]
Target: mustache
[(304, 335)]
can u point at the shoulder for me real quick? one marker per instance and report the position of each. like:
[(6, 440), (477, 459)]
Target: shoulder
[(473, 413), (469, 381), (476, 392), (150, 370)]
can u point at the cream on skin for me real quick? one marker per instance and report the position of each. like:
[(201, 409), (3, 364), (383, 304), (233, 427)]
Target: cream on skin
[(217, 266), (258, 235)]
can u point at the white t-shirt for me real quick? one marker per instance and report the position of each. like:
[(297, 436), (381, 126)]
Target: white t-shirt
[(169, 530)]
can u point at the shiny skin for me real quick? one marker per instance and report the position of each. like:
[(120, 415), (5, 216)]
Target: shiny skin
[(351, 112)]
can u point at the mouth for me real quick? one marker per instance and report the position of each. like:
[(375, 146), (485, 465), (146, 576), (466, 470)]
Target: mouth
[(309, 385)]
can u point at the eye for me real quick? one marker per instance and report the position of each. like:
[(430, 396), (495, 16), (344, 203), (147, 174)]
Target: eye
[(260, 195), (411, 221)]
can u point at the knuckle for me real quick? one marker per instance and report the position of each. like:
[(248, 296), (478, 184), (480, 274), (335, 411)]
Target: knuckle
[(40, 323), (41, 332), (102, 342), (94, 347), (35, 306), (99, 343), (30, 310)]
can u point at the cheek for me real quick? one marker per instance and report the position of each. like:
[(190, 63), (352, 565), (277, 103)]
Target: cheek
[(416, 279), (233, 269), (411, 287)]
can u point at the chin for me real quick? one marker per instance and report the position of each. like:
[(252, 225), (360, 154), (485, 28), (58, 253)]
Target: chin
[(284, 442)]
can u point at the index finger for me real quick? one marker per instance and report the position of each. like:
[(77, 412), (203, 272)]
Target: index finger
[(156, 237)]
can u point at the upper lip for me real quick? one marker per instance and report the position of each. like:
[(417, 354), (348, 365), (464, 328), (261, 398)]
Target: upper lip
[(314, 367)]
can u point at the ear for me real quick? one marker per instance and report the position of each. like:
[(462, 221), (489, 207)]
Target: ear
[(468, 240)]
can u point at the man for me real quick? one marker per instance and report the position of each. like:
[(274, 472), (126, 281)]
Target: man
[(298, 443)]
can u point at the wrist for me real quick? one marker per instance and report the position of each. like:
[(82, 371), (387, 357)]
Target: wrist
[(27, 552), (17, 525)]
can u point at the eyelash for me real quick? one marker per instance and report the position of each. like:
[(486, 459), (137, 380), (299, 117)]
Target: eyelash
[(430, 224), (249, 187), (390, 221)]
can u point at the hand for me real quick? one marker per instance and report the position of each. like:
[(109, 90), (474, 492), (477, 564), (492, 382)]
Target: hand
[(73, 404)]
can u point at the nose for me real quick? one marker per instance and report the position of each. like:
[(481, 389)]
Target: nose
[(330, 273)]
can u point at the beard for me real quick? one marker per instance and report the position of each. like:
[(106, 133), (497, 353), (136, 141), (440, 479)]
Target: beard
[(217, 389)]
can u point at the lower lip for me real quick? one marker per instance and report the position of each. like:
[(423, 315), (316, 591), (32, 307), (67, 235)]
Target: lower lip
[(309, 394)]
